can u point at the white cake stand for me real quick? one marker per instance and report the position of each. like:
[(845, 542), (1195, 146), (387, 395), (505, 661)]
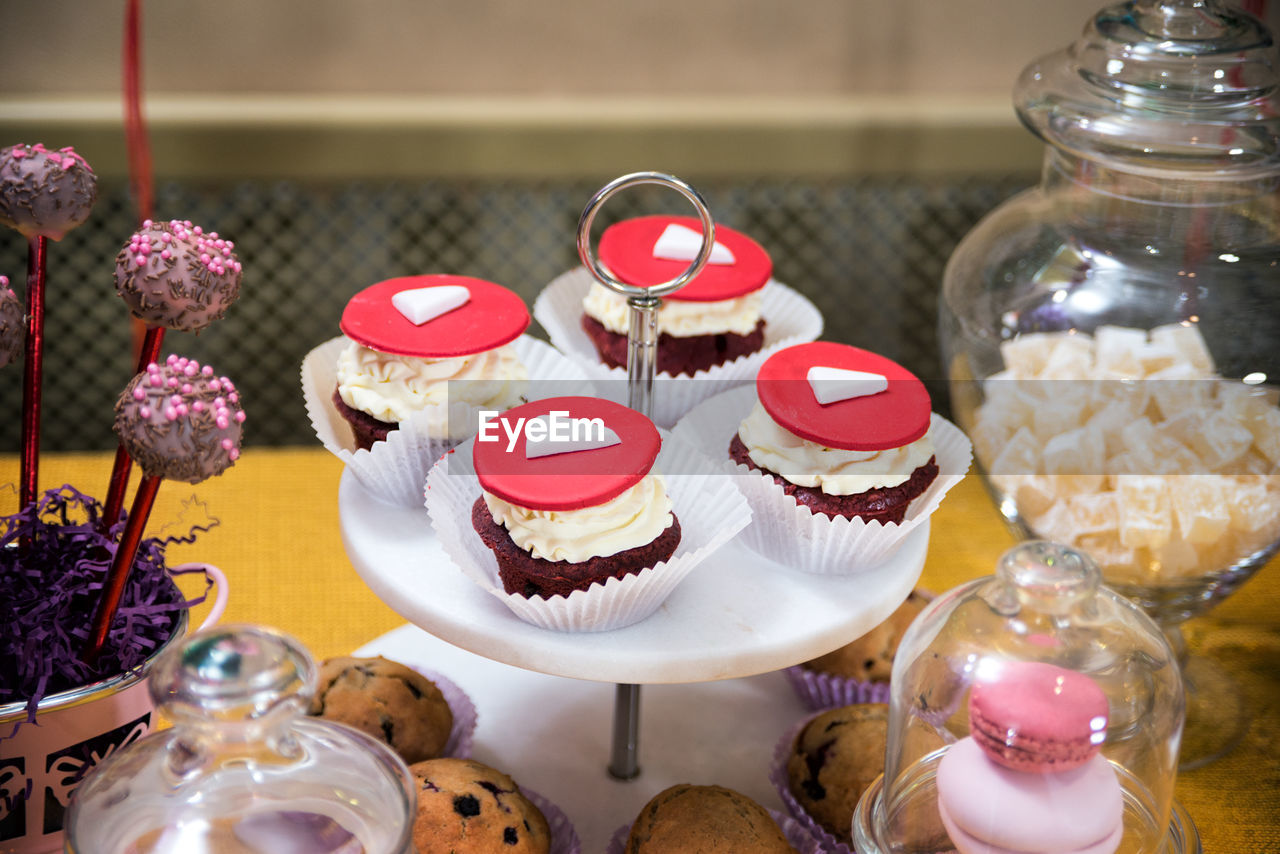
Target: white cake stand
[(737, 614)]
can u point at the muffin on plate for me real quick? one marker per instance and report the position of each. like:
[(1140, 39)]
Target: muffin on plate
[(466, 807), (705, 819), (575, 501), (713, 319), (387, 701), (428, 342), (843, 431)]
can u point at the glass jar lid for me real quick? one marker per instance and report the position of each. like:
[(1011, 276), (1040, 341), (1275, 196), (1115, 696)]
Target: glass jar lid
[(1162, 85), (243, 765)]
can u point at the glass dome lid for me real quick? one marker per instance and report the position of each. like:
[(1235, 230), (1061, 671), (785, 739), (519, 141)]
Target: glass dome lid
[(243, 768), (1060, 708), (1160, 85)]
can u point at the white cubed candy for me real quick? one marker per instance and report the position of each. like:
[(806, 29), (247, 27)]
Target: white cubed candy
[(1200, 506), (1066, 485), (1185, 426), (1132, 394), (1065, 410), (1020, 455), (1176, 558), (1178, 389), (1033, 493), (1070, 359), (1155, 358), (1095, 513), (1222, 441), (1025, 356), (1185, 340), (1108, 552), (1253, 507), (1146, 518), (1245, 401), (1264, 426), (1108, 424), (1056, 524), (1077, 451), (1116, 350)]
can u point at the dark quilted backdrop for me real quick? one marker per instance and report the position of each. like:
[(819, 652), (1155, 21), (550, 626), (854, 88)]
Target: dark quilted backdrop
[(868, 251)]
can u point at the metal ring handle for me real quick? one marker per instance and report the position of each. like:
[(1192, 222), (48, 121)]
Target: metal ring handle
[(606, 278)]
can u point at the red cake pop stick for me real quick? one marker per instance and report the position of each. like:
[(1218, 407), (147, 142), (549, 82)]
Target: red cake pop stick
[(135, 128), (172, 275), (180, 422), (32, 370)]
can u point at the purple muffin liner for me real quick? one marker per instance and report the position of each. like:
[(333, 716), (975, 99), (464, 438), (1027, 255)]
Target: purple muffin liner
[(822, 691), (564, 839), (458, 745), (778, 776), (800, 839)]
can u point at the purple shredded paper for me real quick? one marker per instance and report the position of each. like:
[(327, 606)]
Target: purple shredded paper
[(53, 562)]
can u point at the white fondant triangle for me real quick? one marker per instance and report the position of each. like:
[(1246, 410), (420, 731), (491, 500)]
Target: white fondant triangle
[(422, 304), (588, 438), (835, 384), (681, 243)]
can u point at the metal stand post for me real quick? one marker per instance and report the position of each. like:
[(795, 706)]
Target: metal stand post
[(642, 360)]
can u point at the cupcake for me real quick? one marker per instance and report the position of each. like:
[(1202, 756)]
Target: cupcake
[(387, 701), (857, 672), (466, 807), (822, 768), (713, 319), (422, 343), (706, 819), (839, 455), (570, 497)]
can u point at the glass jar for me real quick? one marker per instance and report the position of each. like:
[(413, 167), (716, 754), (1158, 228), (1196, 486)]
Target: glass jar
[(243, 766), (1044, 607)]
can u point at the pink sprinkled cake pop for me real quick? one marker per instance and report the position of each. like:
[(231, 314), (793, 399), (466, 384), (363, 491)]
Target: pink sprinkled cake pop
[(45, 193), (180, 421), (13, 328), (175, 275)]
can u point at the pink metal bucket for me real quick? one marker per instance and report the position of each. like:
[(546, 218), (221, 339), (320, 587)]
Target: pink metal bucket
[(74, 731)]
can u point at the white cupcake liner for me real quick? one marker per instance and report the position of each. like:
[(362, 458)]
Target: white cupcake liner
[(710, 509), (789, 319), (464, 714), (564, 838), (786, 532), (822, 691), (799, 837), (778, 777), (396, 469)]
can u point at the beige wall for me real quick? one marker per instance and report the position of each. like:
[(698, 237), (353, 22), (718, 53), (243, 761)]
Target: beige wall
[(517, 86)]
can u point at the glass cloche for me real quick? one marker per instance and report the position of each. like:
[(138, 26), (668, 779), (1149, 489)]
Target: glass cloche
[(1058, 706), (243, 768), (1112, 335)]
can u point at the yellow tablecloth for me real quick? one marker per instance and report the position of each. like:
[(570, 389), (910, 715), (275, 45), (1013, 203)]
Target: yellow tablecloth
[(279, 544)]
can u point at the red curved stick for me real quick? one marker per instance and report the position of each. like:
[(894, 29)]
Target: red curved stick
[(32, 372), (121, 564)]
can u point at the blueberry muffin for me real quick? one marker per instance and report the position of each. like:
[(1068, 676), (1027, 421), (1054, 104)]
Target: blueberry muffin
[(465, 807), (706, 820), (834, 758), (386, 700), (870, 657)]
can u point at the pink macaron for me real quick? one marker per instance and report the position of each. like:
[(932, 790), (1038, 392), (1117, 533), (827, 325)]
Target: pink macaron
[(990, 809), (1037, 717)]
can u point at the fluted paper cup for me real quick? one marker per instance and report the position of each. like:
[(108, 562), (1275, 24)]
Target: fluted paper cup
[(396, 469), (827, 842), (710, 509), (799, 837), (821, 691), (789, 319), (564, 838), (783, 530)]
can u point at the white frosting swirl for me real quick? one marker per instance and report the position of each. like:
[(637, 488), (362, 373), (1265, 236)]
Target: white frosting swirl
[(635, 518), (678, 318), (835, 471), (392, 388)]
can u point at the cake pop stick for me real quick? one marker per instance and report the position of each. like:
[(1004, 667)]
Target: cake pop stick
[(43, 195), (172, 275), (180, 422)]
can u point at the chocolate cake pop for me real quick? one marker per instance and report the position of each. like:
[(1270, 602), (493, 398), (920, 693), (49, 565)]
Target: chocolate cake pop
[(180, 421), (174, 275), (13, 327), (45, 193)]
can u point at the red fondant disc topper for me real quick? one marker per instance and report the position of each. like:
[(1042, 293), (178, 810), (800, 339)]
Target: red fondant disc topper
[(491, 316), (626, 248), (564, 481), (891, 418)]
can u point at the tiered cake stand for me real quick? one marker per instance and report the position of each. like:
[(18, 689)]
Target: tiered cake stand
[(711, 653)]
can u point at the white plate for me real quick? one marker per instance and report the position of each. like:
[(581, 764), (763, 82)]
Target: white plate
[(738, 615)]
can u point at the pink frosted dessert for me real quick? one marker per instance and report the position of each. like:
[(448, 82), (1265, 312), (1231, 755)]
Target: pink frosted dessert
[(45, 193), (1030, 778), (175, 275), (180, 421)]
